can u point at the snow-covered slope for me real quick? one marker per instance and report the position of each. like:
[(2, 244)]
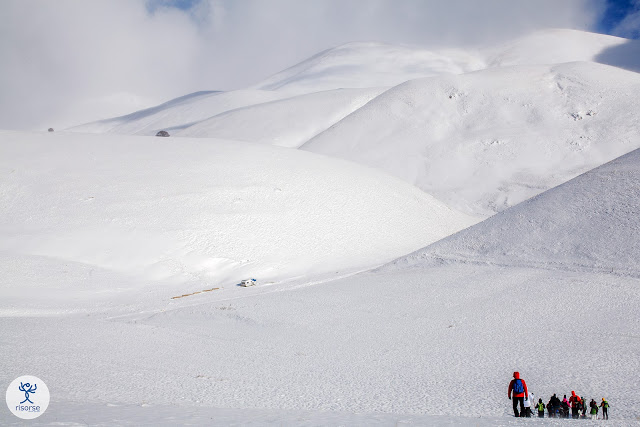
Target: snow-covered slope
[(589, 223), (179, 113), (354, 65), (285, 123), (205, 212), (487, 140), (562, 45), (361, 65), (375, 64), (532, 109), (420, 345)]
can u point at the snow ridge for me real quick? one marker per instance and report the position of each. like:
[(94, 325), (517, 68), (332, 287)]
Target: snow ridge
[(587, 224)]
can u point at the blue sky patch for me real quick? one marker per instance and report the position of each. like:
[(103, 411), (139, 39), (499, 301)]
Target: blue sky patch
[(615, 12)]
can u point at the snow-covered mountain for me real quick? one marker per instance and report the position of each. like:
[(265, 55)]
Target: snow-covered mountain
[(540, 106), (362, 65), (376, 65), (121, 253), (541, 125)]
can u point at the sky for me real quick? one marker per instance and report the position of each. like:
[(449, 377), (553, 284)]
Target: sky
[(73, 61), (621, 18)]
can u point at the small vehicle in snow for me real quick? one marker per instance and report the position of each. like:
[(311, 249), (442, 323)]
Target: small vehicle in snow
[(248, 282)]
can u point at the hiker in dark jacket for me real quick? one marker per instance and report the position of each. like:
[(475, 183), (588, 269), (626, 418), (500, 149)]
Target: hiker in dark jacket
[(555, 405), (605, 409), (550, 408), (519, 388), (565, 407)]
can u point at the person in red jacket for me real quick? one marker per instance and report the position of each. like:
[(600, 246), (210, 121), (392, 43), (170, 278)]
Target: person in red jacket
[(519, 388), (574, 402)]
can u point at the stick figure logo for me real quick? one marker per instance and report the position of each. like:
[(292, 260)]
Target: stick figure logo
[(27, 388), (27, 397)]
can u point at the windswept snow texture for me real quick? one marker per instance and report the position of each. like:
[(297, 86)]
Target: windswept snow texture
[(485, 141), (591, 223)]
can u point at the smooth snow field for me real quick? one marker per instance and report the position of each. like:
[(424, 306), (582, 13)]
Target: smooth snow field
[(194, 213), (420, 224)]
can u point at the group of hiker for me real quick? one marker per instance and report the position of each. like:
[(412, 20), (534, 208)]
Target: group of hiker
[(575, 405)]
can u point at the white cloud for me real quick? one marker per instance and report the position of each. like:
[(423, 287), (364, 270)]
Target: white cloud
[(70, 61), (59, 57)]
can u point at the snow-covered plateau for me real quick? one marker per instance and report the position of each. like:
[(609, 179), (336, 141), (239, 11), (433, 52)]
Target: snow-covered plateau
[(421, 224)]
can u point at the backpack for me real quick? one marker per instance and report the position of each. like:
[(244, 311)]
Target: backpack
[(541, 407), (576, 402), (606, 404), (518, 387)]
